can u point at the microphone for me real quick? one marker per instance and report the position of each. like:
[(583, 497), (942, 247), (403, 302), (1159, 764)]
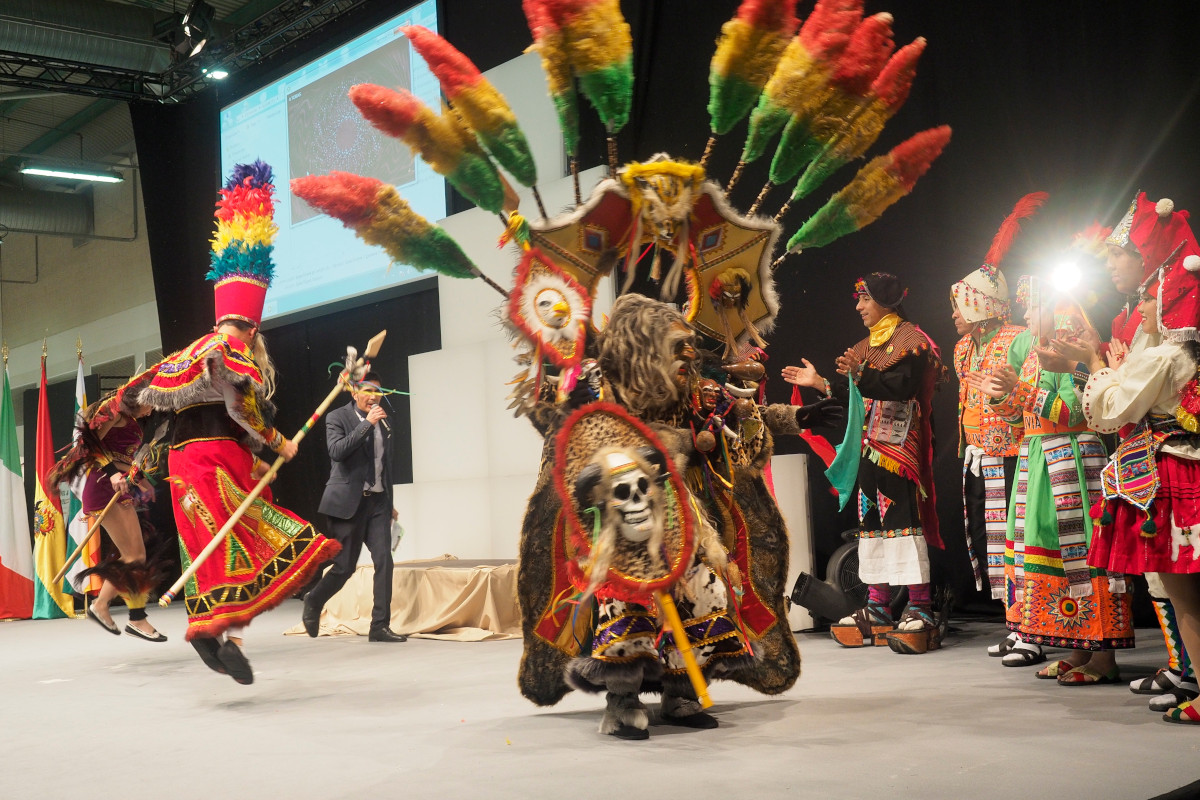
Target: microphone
[(387, 426)]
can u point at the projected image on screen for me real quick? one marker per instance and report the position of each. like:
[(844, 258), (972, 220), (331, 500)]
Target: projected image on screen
[(326, 132), (305, 124)]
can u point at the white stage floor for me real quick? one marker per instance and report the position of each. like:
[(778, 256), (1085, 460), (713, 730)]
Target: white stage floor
[(89, 715)]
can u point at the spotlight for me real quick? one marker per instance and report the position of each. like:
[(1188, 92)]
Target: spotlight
[(218, 74), (197, 25), (1065, 277)]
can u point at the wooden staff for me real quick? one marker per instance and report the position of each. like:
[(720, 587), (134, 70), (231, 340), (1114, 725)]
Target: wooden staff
[(372, 350), (708, 147), (83, 544), (684, 646)]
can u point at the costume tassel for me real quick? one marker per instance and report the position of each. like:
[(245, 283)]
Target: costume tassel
[(748, 324), (1149, 528)]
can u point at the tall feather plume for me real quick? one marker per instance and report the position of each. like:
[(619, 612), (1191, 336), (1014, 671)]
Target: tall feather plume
[(481, 106), (378, 215), (860, 64), (1026, 207), (803, 71), (747, 53), (444, 142), (599, 45), (883, 181), (844, 142), (549, 42)]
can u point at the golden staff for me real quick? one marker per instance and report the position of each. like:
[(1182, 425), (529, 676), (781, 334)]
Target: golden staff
[(342, 381), (684, 646)]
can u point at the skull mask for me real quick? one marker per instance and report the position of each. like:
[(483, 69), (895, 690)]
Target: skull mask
[(630, 487)]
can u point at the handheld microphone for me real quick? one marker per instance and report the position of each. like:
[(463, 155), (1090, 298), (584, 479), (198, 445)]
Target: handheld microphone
[(387, 426)]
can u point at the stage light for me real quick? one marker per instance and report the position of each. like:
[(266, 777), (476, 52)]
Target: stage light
[(70, 173), (218, 74), (197, 25), (1065, 277)]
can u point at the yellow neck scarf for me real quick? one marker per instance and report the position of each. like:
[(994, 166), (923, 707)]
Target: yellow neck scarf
[(882, 331)]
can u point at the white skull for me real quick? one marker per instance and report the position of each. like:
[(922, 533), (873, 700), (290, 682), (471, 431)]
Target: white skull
[(631, 497)]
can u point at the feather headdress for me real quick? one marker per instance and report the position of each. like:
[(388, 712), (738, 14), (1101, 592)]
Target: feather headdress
[(747, 53), (850, 82), (883, 181), (444, 142), (483, 108), (803, 71), (839, 144), (379, 216)]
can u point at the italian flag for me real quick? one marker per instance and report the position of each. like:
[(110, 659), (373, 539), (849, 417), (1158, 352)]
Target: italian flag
[(50, 540), (16, 555)]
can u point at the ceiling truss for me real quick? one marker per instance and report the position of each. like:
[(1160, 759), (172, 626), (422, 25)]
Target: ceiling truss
[(253, 42)]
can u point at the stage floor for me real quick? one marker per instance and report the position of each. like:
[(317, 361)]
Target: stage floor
[(86, 714)]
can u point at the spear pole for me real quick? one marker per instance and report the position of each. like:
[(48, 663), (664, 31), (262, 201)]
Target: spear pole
[(217, 540)]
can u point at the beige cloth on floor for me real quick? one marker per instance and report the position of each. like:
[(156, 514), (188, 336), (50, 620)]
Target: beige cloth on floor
[(464, 604)]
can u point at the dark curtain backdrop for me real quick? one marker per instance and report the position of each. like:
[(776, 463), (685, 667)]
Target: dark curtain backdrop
[(1086, 100)]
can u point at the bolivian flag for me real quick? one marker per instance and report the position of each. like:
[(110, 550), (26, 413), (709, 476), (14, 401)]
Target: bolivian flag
[(50, 537)]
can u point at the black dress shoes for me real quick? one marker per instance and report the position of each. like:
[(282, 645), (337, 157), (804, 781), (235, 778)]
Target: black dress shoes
[(311, 619), (385, 635)]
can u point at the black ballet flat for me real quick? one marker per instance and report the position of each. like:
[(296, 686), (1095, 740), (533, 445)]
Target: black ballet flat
[(111, 627), (207, 650), (137, 633)]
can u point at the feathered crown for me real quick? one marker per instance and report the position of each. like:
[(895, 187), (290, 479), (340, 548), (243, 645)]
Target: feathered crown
[(241, 265)]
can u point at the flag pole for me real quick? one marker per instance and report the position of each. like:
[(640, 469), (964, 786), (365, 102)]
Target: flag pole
[(342, 381)]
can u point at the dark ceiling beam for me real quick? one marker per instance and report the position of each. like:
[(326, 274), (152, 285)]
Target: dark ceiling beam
[(250, 12)]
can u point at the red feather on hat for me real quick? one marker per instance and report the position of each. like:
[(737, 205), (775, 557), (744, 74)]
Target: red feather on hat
[(1026, 207)]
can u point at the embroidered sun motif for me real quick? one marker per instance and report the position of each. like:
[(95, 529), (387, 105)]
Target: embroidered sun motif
[(1070, 612)]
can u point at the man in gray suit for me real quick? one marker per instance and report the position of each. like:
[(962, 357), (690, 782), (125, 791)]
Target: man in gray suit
[(358, 502)]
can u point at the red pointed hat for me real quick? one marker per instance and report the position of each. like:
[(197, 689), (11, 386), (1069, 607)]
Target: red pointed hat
[(1167, 243)]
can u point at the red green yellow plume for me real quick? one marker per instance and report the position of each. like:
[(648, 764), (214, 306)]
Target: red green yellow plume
[(588, 40), (548, 40), (444, 142), (883, 181), (481, 106), (379, 216), (1026, 207), (827, 111), (749, 49), (803, 71), (839, 144)]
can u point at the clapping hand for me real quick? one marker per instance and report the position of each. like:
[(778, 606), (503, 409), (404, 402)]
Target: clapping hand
[(848, 363)]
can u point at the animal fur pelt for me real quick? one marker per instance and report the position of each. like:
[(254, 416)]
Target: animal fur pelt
[(595, 676)]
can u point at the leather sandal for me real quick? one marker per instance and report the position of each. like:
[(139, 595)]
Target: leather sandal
[(1183, 693), (1004, 647), (1086, 676), (1054, 670), (1184, 713), (1162, 681), (1023, 655)]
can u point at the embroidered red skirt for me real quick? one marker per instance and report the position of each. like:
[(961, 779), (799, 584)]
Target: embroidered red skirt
[(265, 559), (1174, 546)]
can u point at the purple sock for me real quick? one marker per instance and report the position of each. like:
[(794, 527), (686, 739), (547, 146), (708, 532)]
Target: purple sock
[(880, 593), (918, 595)]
